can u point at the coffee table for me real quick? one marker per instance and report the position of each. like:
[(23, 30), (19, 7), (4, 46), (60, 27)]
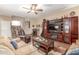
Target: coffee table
[(44, 46)]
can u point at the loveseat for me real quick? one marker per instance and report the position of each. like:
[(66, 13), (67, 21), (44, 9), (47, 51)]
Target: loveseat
[(7, 48)]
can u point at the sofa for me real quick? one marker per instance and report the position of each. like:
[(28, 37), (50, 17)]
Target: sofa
[(7, 48), (74, 48)]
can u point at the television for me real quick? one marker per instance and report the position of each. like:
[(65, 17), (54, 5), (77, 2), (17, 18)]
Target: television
[(54, 27)]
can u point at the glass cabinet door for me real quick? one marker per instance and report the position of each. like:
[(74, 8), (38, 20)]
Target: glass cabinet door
[(66, 26)]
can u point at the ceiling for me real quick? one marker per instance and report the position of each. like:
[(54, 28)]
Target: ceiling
[(16, 9)]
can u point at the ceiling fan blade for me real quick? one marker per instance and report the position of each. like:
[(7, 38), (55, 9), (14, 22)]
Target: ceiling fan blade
[(26, 8), (33, 7), (39, 10), (28, 11)]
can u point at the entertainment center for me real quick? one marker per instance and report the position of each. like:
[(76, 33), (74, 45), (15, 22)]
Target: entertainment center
[(64, 30)]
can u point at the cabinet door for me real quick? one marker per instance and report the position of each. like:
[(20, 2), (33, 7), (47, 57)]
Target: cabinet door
[(60, 37), (74, 25), (67, 38), (74, 28), (67, 30), (66, 26)]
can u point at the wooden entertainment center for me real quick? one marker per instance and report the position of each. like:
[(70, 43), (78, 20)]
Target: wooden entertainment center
[(64, 30)]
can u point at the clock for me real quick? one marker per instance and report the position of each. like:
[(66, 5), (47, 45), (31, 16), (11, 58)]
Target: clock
[(72, 13)]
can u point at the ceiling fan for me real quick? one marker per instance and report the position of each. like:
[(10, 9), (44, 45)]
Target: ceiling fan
[(34, 9)]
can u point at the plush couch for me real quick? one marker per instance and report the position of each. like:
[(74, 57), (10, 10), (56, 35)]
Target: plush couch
[(73, 48), (7, 48)]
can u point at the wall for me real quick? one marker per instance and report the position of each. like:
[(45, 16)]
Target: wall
[(59, 14), (24, 23), (5, 26)]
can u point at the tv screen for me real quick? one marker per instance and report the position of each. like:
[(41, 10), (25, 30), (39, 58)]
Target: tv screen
[(53, 27)]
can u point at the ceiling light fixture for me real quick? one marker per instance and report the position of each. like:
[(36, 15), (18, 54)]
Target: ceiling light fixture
[(33, 8)]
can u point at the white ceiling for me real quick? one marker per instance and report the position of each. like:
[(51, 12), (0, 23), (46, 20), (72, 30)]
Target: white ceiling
[(15, 9)]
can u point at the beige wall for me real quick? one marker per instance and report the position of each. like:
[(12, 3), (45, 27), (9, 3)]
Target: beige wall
[(59, 14), (5, 26), (7, 18)]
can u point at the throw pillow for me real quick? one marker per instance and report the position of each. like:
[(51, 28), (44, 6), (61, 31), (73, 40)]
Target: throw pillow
[(14, 44)]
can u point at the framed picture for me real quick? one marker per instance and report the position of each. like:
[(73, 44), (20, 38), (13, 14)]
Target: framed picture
[(27, 24)]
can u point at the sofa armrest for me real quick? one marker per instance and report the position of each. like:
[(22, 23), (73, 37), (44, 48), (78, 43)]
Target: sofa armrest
[(25, 50), (73, 46)]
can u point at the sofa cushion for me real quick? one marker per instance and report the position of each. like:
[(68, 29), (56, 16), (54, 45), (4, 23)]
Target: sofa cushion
[(74, 51), (5, 41), (73, 46), (18, 39), (21, 44), (5, 50), (25, 50)]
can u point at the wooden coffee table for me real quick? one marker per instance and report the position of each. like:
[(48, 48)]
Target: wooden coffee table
[(44, 46)]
